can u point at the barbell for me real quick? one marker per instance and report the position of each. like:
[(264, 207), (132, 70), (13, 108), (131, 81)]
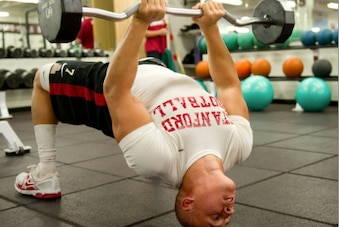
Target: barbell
[(60, 20)]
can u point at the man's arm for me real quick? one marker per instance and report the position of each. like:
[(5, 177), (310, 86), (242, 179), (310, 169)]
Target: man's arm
[(220, 62), (126, 111), (125, 59), (124, 62)]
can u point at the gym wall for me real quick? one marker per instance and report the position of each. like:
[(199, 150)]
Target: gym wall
[(108, 34), (121, 26), (15, 31), (284, 88), (104, 31)]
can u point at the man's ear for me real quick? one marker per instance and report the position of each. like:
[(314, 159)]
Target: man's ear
[(187, 203)]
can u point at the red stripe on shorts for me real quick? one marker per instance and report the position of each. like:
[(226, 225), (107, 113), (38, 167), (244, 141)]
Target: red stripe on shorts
[(76, 91)]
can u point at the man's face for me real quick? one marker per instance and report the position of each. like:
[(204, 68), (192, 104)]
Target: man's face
[(215, 207)]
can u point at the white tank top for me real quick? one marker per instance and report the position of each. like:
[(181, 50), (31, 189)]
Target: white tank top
[(195, 118)]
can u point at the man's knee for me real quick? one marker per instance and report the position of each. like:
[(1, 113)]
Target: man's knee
[(41, 79), (36, 82)]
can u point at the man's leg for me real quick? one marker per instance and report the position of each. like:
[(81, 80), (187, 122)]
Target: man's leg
[(42, 181), (45, 123)]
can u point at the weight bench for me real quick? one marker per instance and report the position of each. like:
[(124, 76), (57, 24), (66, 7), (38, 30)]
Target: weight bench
[(15, 146)]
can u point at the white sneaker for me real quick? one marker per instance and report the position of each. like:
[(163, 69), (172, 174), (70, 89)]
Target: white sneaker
[(43, 188)]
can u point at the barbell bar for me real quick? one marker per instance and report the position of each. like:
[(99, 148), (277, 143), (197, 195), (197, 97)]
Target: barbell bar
[(107, 15), (60, 20)]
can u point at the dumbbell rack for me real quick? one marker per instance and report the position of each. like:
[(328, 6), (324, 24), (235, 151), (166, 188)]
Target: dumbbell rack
[(15, 146)]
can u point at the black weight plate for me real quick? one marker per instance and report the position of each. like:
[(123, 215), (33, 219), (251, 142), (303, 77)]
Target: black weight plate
[(282, 17), (27, 79), (3, 53), (87, 53), (50, 17), (2, 80), (12, 80), (17, 53), (30, 53), (60, 53), (34, 53), (60, 20), (49, 53)]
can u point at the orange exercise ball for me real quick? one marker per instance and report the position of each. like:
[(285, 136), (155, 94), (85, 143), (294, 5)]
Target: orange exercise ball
[(243, 67), (293, 67), (261, 67), (202, 70)]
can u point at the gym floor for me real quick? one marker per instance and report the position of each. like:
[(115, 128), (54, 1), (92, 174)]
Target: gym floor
[(290, 179)]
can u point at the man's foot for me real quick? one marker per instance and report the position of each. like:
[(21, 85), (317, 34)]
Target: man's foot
[(43, 188)]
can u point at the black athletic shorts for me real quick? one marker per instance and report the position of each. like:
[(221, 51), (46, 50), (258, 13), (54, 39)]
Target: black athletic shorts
[(76, 91)]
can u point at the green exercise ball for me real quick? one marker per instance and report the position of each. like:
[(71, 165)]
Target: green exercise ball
[(313, 94), (231, 41), (203, 46), (260, 45), (258, 92), (296, 34), (198, 45), (246, 41)]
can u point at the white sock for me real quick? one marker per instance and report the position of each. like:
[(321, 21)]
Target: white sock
[(45, 135)]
